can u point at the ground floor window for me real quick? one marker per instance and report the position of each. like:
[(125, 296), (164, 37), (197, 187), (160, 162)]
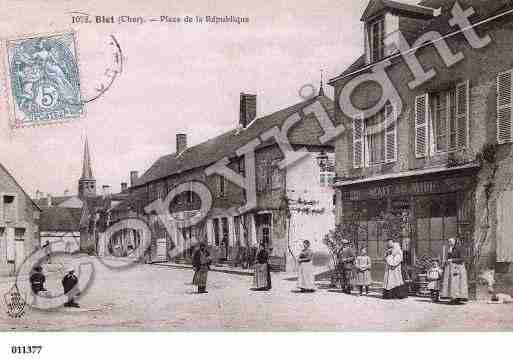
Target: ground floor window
[(421, 224), (437, 221)]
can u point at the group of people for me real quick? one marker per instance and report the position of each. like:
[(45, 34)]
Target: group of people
[(69, 284), (448, 283)]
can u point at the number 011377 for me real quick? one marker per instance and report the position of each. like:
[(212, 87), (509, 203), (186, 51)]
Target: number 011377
[(26, 349)]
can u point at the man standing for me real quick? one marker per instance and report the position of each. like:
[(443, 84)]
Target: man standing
[(37, 282), (201, 263), (348, 258), (70, 285)]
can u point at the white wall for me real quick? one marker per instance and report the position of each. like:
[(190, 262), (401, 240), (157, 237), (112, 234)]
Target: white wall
[(303, 181)]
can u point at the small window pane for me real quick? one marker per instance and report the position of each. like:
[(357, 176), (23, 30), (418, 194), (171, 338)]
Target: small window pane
[(437, 228), (373, 249)]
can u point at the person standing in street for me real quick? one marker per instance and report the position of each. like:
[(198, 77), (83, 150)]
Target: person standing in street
[(306, 272), (201, 262), (393, 282), (262, 278), (363, 265), (37, 282), (454, 285), (70, 285), (348, 258)]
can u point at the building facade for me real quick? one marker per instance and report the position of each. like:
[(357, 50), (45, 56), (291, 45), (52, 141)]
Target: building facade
[(435, 161), (291, 202), (19, 224)]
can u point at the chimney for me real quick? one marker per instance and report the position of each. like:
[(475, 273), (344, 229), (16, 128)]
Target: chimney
[(181, 142), (48, 199), (247, 109), (133, 177), (106, 190), (124, 186)]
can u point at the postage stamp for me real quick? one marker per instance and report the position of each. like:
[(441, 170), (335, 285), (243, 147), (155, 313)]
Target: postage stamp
[(44, 80)]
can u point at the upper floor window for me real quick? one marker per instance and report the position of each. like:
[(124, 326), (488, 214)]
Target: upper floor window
[(377, 39), (443, 110), (327, 173), (19, 234), (8, 203), (221, 190), (242, 166), (375, 138), (441, 121), (269, 175)]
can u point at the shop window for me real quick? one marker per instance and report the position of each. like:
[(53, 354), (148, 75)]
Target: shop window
[(436, 222)]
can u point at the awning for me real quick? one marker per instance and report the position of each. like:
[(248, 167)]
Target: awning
[(405, 174)]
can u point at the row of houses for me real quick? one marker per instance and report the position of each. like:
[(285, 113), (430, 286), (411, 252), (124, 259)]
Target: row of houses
[(435, 156)]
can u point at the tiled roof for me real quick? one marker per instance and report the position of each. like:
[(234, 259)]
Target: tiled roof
[(56, 200), (3, 169), (60, 219), (410, 9), (226, 144)]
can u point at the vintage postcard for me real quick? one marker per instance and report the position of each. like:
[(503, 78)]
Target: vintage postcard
[(191, 166)]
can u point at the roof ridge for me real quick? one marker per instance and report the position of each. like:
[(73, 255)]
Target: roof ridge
[(217, 143)]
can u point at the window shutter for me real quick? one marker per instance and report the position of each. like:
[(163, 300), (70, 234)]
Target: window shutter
[(421, 125), (462, 112), (358, 133), (390, 133), (504, 104)]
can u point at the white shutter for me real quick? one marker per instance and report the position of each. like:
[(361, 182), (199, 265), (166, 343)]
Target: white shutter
[(421, 125), (462, 113), (504, 104), (358, 137), (390, 133)]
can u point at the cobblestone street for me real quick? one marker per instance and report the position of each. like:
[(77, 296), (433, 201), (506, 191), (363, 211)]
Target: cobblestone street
[(150, 297)]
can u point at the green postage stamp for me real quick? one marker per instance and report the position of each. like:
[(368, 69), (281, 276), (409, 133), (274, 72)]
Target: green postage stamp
[(44, 80)]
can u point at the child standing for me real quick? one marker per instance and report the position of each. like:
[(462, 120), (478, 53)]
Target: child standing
[(363, 275), (434, 275)]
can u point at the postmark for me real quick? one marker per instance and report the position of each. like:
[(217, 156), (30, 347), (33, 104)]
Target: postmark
[(44, 80)]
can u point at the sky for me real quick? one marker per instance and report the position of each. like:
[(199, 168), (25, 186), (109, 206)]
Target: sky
[(177, 78)]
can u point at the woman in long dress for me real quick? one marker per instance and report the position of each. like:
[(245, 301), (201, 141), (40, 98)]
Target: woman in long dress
[(393, 283), (454, 285), (201, 263), (262, 278), (306, 273)]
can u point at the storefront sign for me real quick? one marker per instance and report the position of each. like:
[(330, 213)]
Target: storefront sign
[(401, 189)]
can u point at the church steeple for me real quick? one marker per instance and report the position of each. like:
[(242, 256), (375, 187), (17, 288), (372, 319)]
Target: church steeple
[(321, 87), (86, 183), (87, 172)]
